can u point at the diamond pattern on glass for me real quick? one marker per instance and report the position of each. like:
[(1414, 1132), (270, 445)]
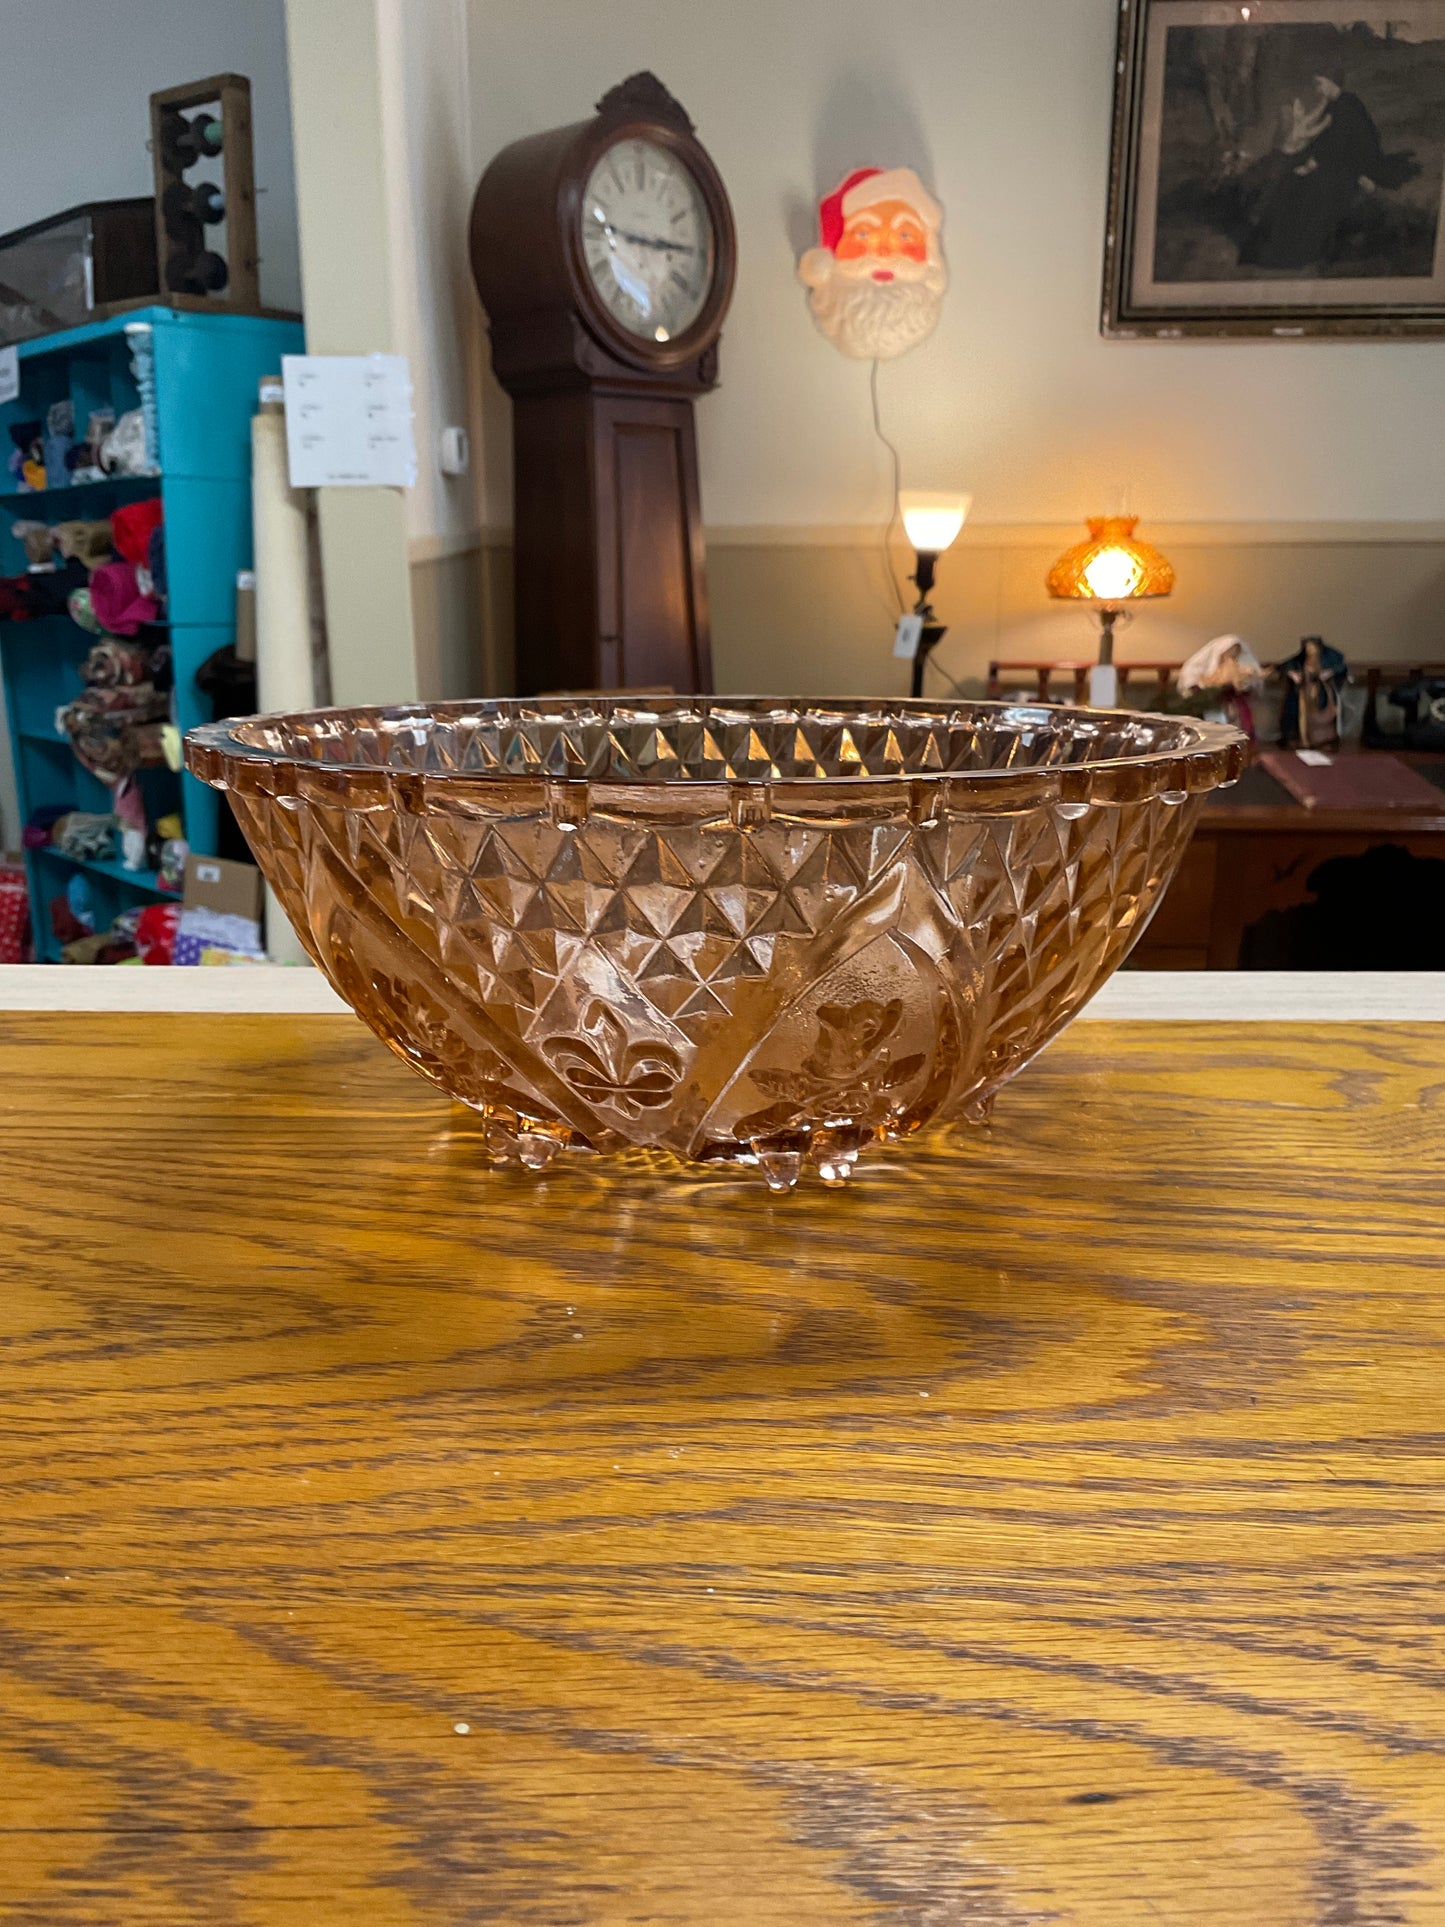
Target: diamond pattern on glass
[(752, 932)]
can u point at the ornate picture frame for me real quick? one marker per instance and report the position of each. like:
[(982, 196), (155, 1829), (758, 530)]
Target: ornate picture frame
[(1277, 171)]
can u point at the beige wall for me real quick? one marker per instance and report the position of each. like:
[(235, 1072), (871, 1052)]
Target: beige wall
[(337, 56), (1297, 487), (462, 609), (808, 617), (812, 613), (1005, 107)]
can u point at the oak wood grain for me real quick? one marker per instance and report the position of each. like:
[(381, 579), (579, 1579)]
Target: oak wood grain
[(1048, 1530)]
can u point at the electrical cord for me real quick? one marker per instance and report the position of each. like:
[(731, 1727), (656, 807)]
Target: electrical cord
[(931, 662), (898, 595)]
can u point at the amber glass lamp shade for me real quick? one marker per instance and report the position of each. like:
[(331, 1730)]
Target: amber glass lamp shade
[(1113, 567)]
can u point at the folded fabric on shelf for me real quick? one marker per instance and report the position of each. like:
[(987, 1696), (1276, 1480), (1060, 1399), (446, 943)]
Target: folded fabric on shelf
[(104, 947), (38, 542), (121, 605), (201, 930), (45, 592), (85, 835), (82, 612), (14, 914), (91, 542), (171, 868), (43, 820), (59, 441), (155, 932), (132, 526), (116, 664), (84, 457), (115, 731), (14, 600), (27, 459), (156, 563), (65, 926), (125, 451)]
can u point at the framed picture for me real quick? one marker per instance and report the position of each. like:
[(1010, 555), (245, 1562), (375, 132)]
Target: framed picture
[(1277, 169)]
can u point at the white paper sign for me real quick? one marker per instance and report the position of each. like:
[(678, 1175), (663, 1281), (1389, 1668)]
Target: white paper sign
[(907, 636), (349, 421), (9, 374), (1316, 758), (1103, 685)]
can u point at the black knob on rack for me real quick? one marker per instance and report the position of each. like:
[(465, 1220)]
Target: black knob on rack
[(183, 142), (208, 134), (177, 149), (186, 207), (203, 273)]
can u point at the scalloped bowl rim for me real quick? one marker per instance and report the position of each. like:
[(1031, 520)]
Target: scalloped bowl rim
[(1198, 739)]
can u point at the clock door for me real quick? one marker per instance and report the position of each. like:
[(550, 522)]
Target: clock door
[(651, 594)]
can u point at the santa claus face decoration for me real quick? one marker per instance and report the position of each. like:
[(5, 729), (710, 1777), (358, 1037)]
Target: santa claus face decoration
[(876, 278)]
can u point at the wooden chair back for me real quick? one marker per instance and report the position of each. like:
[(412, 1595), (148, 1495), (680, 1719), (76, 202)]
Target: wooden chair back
[(1386, 674), (638, 689), (1045, 673)]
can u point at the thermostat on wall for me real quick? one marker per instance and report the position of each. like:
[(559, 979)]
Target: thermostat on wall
[(456, 451)]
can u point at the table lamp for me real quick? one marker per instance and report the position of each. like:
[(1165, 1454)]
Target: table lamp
[(1113, 567), (932, 520)]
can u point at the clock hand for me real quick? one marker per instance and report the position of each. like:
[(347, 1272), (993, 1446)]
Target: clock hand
[(653, 241)]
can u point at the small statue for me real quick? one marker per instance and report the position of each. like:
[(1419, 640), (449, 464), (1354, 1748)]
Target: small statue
[(1313, 679), (1222, 676)]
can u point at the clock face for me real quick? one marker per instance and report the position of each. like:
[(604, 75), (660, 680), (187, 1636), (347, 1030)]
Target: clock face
[(647, 239)]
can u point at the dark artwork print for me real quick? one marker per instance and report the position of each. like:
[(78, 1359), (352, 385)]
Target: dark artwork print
[(1295, 152)]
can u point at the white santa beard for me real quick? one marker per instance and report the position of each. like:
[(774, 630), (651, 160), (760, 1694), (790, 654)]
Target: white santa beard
[(864, 318)]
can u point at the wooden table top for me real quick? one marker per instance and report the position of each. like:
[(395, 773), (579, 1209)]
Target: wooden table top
[(1049, 1529)]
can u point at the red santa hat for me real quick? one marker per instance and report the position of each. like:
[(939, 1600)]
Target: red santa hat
[(866, 187)]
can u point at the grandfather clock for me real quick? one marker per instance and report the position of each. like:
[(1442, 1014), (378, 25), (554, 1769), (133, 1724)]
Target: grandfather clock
[(604, 254)]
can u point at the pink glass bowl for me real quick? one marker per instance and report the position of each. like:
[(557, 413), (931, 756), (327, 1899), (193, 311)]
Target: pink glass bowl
[(747, 930)]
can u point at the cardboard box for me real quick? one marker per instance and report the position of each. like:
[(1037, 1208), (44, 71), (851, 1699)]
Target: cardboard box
[(230, 889)]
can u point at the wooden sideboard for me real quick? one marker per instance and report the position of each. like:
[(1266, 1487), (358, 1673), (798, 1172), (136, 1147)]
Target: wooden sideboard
[(1254, 852)]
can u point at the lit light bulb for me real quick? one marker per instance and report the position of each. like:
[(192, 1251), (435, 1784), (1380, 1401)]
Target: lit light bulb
[(933, 518), (1113, 575)]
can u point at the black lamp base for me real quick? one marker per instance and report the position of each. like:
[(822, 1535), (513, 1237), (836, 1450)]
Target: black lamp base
[(1108, 616), (933, 633), (924, 572)]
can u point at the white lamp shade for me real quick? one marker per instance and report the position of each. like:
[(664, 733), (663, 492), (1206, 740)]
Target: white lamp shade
[(933, 518)]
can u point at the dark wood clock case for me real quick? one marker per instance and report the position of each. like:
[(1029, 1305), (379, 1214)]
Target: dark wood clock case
[(610, 582)]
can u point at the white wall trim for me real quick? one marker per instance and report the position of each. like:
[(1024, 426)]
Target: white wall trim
[(1060, 535), (440, 547), (1167, 996), (1004, 535)]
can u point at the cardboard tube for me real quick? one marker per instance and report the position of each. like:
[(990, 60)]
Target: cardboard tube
[(246, 616), (284, 675), (284, 678)]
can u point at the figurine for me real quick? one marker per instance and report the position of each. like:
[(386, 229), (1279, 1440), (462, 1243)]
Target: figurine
[(1223, 674), (1314, 678)]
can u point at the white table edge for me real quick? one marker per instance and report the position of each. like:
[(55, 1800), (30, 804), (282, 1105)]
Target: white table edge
[(1182, 996)]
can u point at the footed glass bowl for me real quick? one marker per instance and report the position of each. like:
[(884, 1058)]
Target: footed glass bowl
[(756, 931)]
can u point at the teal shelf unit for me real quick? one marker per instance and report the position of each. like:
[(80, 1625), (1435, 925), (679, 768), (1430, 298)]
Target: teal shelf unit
[(196, 377)]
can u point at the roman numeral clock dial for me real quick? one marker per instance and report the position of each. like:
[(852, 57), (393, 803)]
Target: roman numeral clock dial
[(647, 240)]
